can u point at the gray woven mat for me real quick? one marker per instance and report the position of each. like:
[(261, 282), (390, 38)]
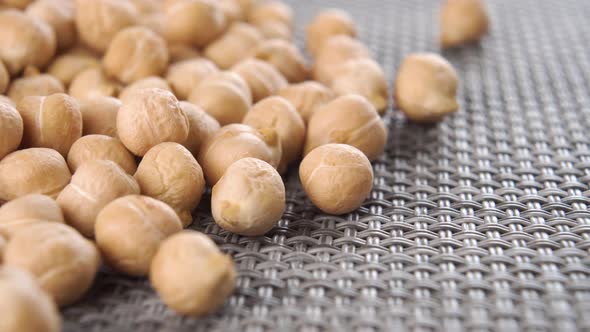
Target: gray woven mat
[(480, 223)]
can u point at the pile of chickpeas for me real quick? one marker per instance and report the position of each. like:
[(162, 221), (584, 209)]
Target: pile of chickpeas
[(116, 115)]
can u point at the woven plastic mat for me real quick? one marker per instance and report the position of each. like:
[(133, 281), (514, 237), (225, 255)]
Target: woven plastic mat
[(479, 223)]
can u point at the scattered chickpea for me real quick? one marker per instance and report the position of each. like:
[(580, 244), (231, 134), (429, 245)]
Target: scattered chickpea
[(100, 147), (11, 129), (285, 57), (28, 210), (202, 126), (92, 83), (195, 22), (145, 83), (263, 79), (462, 21), (99, 116), (34, 84), (176, 275), (129, 230), (348, 119), (241, 38), (307, 97), (327, 24), (185, 76), (249, 199), (336, 177), (25, 306), (59, 14), (4, 78), (66, 66), (426, 87), (180, 52), (149, 117), (335, 52), (273, 14), (225, 96)]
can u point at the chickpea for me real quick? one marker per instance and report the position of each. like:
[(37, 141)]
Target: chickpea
[(11, 129), (307, 97), (249, 199), (100, 147), (92, 83), (4, 78), (327, 24), (273, 14), (25, 306), (25, 41), (180, 52), (150, 117), (179, 261), (28, 210), (129, 230), (336, 177), (99, 116), (462, 21), (426, 87), (202, 127), (66, 66), (195, 22), (144, 83), (185, 76), (278, 114), (234, 142), (224, 95), (285, 57), (59, 14), (241, 38), (34, 84), (263, 79), (336, 51), (98, 21), (348, 119)]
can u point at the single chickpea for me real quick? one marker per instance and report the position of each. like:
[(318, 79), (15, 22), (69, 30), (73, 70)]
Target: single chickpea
[(241, 38), (337, 178), (33, 171), (100, 147), (278, 114), (224, 95), (66, 66), (25, 41), (273, 14), (202, 126), (179, 262), (285, 57), (426, 87), (185, 76), (11, 129), (4, 78), (263, 79), (144, 83), (307, 97), (462, 21), (63, 262), (336, 51), (34, 84), (195, 22), (99, 116), (52, 122), (249, 199), (25, 306), (234, 142), (348, 119), (95, 184), (59, 14), (363, 77), (170, 173), (92, 83), (98, 21), (28, 210), (150, 117), (180, 52), (129, 230), (327, 24)]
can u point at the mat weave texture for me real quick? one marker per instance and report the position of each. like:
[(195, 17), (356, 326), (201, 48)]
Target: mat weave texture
[(480, 223)]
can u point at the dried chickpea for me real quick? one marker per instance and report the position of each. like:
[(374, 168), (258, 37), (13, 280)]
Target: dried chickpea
[(249, 199), (426, 87), (98, 21), (66, 66), (63, 262), (100, 147), (25, 306), (278, 114), (180, 52), (28, 210), (94, 184), (11, 129), (363, 77), (224, 95), (33, 171), (195, 22), (176, 274), (348, 119), (273, 14), (92, 83), (240, 38), (327, 24), (263, 79), (336, 177), (336, 51), (99, 116), (285, 57), (144, 83), (129, 230), (4, 78), (170, 173), (234, 142), (201, 126), (307, 97), (462, 21), (149, 117), (25, 41), (52, 122), (34, 84), (59, 14), (20, 4), (185, 76)]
